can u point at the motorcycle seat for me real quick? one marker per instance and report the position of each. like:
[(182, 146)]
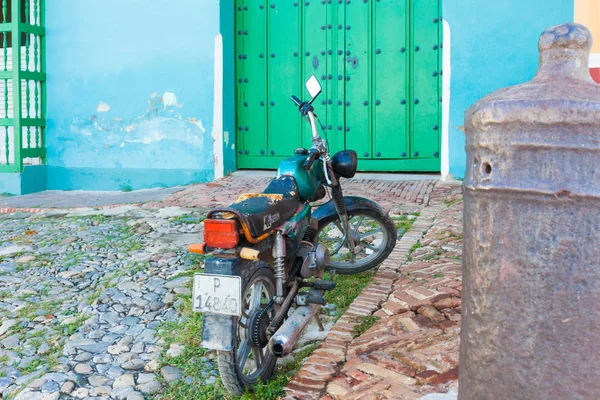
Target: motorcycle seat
[(269, 209)]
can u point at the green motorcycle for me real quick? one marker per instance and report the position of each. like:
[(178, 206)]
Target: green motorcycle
[(265, 281)]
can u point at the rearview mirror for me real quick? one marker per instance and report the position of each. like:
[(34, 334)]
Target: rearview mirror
[(313, 86)]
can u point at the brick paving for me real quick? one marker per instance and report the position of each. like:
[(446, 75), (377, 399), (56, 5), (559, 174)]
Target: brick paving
[(388, 194), (413, 349)]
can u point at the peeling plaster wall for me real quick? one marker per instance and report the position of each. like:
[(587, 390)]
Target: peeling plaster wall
[(129, 93), (494, 45)]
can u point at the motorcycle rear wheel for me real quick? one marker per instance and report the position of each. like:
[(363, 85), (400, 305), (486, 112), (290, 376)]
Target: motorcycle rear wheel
[(373, 231), (250, 363)]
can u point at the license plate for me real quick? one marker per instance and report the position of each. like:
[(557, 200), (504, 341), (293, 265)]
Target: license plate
[(217, 294)]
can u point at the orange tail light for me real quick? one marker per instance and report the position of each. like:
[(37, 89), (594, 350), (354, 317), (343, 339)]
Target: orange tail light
[(221, 233)]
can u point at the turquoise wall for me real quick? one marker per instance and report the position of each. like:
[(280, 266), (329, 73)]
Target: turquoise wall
[(32, 179), (10, 183), (129, 93), (494, 45)]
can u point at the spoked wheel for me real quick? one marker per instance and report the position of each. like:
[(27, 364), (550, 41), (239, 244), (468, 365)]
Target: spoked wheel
[(374, 236), (251, 361)]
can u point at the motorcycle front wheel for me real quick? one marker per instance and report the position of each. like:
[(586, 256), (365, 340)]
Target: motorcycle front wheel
[(374, 236), (250, 361)]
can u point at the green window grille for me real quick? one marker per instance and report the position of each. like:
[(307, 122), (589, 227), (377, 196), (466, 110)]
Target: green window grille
[(22, 121)]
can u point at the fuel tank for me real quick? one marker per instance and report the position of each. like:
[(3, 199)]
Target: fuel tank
[(309, 181)]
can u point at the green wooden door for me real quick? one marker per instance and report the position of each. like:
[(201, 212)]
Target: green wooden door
[(379, 62)]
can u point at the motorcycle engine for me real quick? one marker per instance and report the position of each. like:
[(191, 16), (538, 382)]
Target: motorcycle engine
[(315, 259)]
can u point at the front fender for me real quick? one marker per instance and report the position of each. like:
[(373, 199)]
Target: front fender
[(352, 203)]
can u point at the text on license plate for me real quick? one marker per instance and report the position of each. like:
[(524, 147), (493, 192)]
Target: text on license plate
[(217, 294)]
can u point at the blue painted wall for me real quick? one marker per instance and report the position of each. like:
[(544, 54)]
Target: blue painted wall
[(494, 45), (126, 54), (31, 180), (10, 183)]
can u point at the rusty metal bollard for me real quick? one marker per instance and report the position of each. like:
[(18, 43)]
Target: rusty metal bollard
[(531, 276)]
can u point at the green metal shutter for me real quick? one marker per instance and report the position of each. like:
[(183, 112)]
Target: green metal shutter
[(379, 62), (22, 84)]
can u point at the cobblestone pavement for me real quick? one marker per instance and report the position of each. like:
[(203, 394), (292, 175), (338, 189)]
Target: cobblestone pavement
[(83, 293), (414, 301), (81, 298)]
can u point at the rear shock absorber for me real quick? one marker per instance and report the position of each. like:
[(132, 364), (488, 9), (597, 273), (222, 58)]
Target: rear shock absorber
[(279, 265)]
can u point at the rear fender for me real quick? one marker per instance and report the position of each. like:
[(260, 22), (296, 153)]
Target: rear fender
[(217, 330), (352, 203)]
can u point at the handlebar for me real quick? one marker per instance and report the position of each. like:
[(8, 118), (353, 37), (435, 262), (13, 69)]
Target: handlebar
[(319, 148), (296, 100), (305, 107), (314, 155)]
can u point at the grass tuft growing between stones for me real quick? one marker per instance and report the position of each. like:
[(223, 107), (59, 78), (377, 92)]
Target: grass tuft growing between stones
[(405, 221), (449, 202), (188, 219), (364, 324), (74, 323)]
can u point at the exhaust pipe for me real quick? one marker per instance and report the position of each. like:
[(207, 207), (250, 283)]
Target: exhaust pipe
[(283, 341)]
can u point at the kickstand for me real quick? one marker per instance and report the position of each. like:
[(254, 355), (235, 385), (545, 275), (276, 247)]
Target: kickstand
[(318, 319)]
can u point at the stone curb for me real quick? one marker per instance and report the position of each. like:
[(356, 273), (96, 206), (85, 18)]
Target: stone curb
[(324, 363), (10, 210)]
